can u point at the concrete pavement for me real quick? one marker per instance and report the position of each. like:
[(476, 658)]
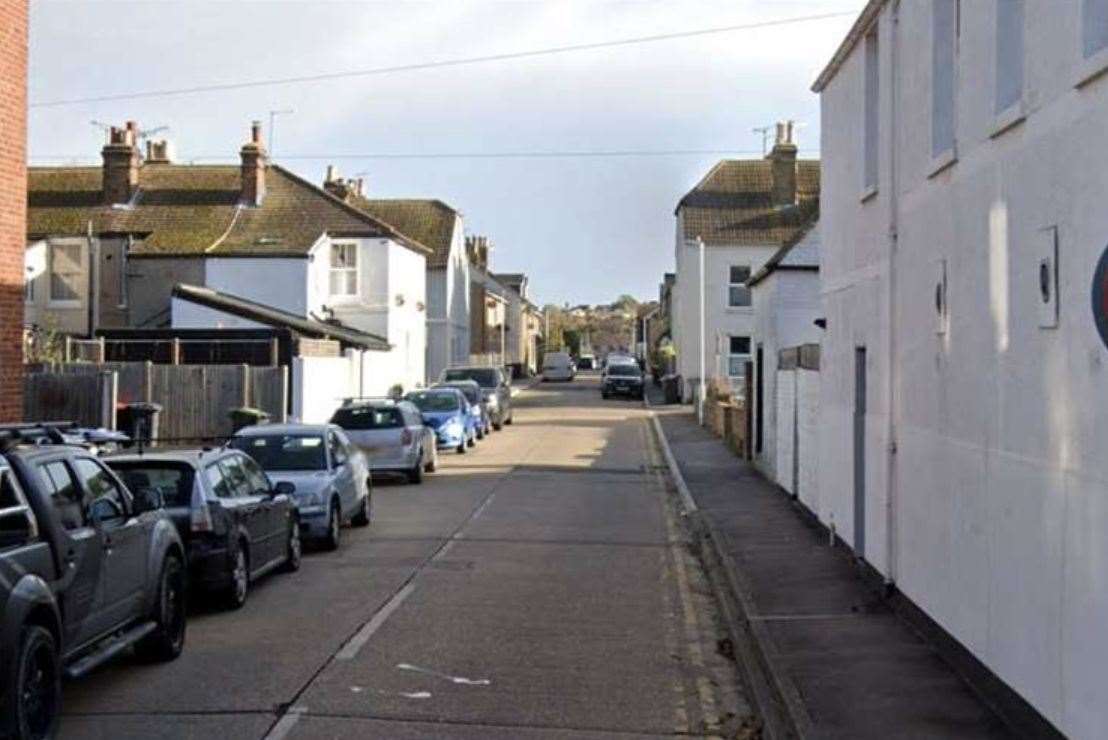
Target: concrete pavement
[(539, 586), (840, 662)]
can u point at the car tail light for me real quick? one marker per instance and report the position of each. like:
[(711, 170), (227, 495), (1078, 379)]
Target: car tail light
[(200, 517), (406, 437)]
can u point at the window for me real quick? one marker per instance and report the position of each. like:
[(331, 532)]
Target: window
[(58, 482), (1094, 26), (1009, 54), (338, 451), (738, 354), (29, 289), (216, 481), (107, 500), (344, 269), (944, 42), (65, 273), (872, 112), (737, 292), (235, 476), (258, 481), (172, 480), (17, 521)]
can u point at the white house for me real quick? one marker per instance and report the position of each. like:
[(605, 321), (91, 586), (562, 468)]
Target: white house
[(785, 297), (441, 229), (742, 211), (964, 364)]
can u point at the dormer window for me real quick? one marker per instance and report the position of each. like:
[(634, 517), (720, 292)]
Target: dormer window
[(344, 269)]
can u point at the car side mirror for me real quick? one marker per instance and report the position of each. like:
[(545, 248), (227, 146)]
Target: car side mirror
[(17, 527), (148, 499), (284, 488)]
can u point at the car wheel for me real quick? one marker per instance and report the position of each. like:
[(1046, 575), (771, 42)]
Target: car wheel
[(603, 394), (508, 420), (36, 679), (415, 474), (496, 425), (334, 528), (239, 587), (361, 519), (480, 432), (461, 448), (432, 464), (471, 440), (167, 641), (294, 547)]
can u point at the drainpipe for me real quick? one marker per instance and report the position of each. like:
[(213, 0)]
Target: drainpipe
[(891, 542), (703, 384)]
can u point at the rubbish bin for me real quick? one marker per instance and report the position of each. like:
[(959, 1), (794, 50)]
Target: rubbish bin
[(671, 388), (246, 416), (139, 421)]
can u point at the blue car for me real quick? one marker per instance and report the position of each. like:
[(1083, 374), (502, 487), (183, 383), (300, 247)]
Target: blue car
[(446, 411)]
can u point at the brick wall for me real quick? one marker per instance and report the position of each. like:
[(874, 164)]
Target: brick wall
[(13, 201)]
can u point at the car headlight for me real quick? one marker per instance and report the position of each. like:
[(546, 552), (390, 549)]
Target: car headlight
[(453, 427), (492, 400)]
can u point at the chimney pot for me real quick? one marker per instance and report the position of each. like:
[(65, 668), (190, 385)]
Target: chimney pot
[(783, 165), (332, 171), (256, 132)]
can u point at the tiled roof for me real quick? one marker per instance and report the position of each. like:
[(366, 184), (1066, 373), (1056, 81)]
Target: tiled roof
[(429, 222), (733, 204), (194, 210)]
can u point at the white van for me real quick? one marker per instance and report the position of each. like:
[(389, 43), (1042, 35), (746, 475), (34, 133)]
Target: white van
[(557, 366)]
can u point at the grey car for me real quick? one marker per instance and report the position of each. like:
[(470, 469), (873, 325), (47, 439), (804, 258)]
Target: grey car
[(392, 435), (329, 475), (494, 387)]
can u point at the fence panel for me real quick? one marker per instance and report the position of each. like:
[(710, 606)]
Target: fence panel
[(86, 398), (269, 391)]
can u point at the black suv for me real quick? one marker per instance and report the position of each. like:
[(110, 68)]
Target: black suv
[(87, 570), (622, 379), (235, 524)]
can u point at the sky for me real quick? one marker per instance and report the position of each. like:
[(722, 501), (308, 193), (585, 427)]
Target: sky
[(585, 229)]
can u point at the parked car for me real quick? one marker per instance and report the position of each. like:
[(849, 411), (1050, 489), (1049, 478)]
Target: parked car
[(391, 434), (88, 569), (446, 411), (557, 366), (494, 387), (477, 405), (622, 380), (586, 362), (329, 476), (236, 525)]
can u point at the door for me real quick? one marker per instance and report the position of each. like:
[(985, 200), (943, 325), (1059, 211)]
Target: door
[(860, 451), (343, 471), (124, 539), (250, 511), (275, 510), (79, 585)]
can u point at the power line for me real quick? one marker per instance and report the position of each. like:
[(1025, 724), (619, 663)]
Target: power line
[(219, 87), (583, 154)]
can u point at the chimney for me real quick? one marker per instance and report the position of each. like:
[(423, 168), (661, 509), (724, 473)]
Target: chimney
[(783, 165), (335, 185), (477, 249), (121, 165), (253, 167), (159, 152)]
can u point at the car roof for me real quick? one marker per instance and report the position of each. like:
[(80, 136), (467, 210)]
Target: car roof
[(30, 451), (265, 429), (456, 382), (191, 456)]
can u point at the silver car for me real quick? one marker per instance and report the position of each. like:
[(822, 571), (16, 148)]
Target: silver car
[(329, 474), (494, 387), (392, 435)]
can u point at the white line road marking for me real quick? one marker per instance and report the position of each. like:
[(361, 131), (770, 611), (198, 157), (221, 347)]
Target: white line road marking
[(446, 676), (416, 694), (481, 509), (284, 726), (445, 549), (358, 641)]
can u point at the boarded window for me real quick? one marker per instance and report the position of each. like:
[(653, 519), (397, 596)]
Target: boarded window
[(944, 35), (871, 111), (1009, 53), (65, 272)]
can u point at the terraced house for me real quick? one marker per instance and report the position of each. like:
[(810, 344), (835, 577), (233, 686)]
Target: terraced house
[(441, 228), (122, 244)]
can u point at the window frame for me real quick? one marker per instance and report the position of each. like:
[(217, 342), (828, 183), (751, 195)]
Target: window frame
[(871, 113), (732, 355), (123, 504), (1007, 114), (54, 493), (79, 271), (947, 155), (1090, 66), (333, 271), (732, 285)]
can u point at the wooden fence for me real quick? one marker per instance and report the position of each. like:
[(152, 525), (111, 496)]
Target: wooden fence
[(195, 399), (89, 399)]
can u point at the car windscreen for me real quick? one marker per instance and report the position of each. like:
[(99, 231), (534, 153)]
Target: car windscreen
[(283, 451), (432, 402), (472, 393), (368, 417), (485, 377), (624, 370), (173, 480)]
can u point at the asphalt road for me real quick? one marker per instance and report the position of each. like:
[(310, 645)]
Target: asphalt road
[(537, 587)]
